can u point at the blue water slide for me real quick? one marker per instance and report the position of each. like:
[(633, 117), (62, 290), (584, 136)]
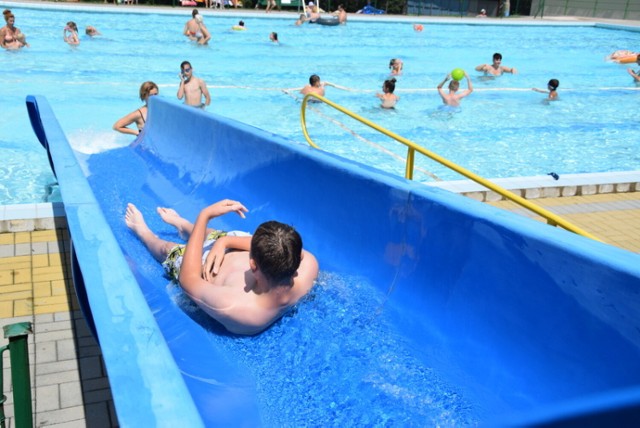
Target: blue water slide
[(505, 320)]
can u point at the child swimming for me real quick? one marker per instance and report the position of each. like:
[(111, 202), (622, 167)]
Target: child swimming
[(389, 99), (552, 89)]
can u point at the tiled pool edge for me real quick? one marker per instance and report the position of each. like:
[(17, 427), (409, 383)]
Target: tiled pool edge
[(545, 186), (30, 217)]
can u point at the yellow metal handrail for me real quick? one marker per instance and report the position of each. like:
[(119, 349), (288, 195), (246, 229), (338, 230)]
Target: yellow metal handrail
[(412, 147)]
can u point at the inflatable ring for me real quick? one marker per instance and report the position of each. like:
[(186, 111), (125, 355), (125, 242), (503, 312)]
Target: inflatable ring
[(418, 27), (629, 59), (238, 28)]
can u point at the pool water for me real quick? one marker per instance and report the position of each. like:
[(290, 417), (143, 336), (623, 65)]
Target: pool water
[(503, 129), (339, 357)]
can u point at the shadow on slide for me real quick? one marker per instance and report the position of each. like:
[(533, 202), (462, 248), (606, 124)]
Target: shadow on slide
[(430, 308)]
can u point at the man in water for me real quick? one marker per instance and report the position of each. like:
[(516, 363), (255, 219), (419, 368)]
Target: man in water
[(453, 97), (195, 29), (245, 282), (192, 88), (496, 68)]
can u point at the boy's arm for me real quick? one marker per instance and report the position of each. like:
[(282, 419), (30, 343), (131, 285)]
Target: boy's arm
[(180, 88), (212, 264), (191, 270)]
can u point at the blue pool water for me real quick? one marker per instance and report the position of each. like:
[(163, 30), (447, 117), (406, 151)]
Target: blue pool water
[(340, 358), (503, 129)]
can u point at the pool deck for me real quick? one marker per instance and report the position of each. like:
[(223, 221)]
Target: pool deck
[(69, 382)]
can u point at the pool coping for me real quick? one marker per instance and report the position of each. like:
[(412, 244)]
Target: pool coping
[(559, 20), (51, 215), (545, 186)]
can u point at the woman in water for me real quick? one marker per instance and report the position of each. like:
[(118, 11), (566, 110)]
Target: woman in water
[(70, 34), (395, 65), (388, 98), (10, 36), (139, 116)]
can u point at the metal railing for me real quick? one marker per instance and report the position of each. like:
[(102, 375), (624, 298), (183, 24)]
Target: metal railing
[(412, 148)]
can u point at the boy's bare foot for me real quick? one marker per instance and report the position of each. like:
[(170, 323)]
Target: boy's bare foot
[(135, 221), (171, 217)]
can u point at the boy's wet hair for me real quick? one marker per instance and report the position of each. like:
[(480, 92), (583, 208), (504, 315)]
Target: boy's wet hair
[(390, 85), (554, 83), (497, 55), (276, 248)]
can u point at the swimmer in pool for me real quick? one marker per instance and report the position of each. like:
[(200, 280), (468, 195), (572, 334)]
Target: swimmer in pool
[(619, 54), (315, 86), (635, 74), (301, 19), (273, 37), (341, 13), (388, 98), (395, 65), (192, 88), (11, 38), (244, 282), (453, 97), (496, 68), (70, 34), (195, 29), (552, 89), (139, 116), (92, 31)]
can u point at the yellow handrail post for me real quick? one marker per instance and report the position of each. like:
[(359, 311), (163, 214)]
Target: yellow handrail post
[(411, 155), (551, 218)]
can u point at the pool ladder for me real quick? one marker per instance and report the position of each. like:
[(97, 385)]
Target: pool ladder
[(412, 148)]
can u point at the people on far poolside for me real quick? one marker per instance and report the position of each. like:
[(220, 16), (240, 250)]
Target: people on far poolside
[(192, 88), (273, 37), (395, 65), (139, 116), (453, 97), (552, 89), (92, 31), (312, 12), (195, 29), (496, 68), (341, 14), (271, 4), (11, 38), (70, 34), (388, 98), (482, 14), (635, 74)]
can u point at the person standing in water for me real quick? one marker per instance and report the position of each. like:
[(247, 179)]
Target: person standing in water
[(453, 97)]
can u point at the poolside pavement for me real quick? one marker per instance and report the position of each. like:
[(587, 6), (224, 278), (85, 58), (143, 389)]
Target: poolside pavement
[(70, 387)]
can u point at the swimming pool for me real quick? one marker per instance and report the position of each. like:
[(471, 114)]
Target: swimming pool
[(503, 129)]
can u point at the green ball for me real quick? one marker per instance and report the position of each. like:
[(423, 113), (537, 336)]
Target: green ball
[(457, 74)]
